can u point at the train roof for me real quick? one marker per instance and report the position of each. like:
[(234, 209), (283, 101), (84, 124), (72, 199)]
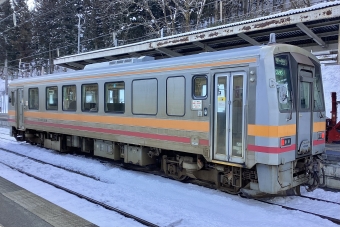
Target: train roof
[(149, 63)]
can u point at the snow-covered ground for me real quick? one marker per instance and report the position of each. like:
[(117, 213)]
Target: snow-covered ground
[(162, 201), (331, 83)]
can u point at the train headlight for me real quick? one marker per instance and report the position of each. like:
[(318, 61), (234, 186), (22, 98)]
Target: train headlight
[(285, 142), (321, 135)]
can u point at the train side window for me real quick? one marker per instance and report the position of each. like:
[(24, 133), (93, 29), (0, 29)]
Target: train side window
[(318, 93), (144, 96), (175, 96), (89, 98), (115, 97), (70, 98), (283, 83), (305, 91), (33, 97), (12, 100), (52, 98), (200, 86)]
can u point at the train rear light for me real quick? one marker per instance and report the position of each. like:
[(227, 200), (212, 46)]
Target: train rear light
[(321, 135), (286, 142)]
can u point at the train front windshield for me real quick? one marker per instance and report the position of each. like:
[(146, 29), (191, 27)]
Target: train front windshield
[(283, 82), (286, 78)]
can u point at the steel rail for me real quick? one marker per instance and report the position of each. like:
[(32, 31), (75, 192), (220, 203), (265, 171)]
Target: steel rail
[(125, 214), (334, 220), (317, 199)]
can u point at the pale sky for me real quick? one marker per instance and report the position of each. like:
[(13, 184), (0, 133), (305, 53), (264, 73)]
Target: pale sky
[(30, 4)]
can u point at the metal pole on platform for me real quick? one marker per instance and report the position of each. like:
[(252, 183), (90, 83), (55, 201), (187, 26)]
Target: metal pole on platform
[(78, 33), (6, 75), (334, 109), (79, 30), (221, 11), (115, 41), (338, 45)]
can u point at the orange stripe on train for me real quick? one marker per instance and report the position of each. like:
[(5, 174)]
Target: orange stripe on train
[(281, 130), (199, 126)]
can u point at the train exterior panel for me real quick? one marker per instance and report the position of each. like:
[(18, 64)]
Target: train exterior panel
[(249, 119)]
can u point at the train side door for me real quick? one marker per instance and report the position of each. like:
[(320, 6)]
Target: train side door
[(229, 116), (305, 110), (20, 108)]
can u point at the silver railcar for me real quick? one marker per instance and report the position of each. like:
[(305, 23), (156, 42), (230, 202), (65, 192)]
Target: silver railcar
[(249, 119)]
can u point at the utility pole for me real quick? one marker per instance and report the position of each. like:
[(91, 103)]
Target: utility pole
[(221, 11), (338, 57), (115, 41), (50, 61), (79, 30), (6, 75)]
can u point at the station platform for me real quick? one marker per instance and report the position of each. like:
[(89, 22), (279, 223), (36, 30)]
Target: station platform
[(19, 207), (4, 120), (332, 152), (332, 165)]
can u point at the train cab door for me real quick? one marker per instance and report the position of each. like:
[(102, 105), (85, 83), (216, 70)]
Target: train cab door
[(229, 116), (305, 110), (20, 108)]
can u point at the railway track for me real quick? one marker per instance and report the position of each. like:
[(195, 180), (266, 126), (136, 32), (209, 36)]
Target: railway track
[(96, 202), (335, 220), (317, 199)]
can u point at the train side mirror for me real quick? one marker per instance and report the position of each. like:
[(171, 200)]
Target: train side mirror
[(9, 100)]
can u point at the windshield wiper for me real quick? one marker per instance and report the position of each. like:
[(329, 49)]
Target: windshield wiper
[(291, 107), (321, 115)]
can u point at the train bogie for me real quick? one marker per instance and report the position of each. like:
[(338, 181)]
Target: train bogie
[(251, 118)]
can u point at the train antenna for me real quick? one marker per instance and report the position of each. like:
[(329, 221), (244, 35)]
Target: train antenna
[(272, 38)]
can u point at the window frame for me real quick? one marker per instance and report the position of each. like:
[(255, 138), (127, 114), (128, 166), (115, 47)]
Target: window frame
[(318, 90), (12, 98), (105, 97), (62, 97), (30, 101), (83, 100), (290, 85), (132, 100), (46, 98), (194, 88), (303, 88), (166, 95)]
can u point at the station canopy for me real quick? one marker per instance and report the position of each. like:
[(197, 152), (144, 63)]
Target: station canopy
[(315, 28)]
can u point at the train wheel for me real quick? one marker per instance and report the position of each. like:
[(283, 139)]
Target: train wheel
[(19, 137), (297, 190), (232, 190), (180, 178)]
